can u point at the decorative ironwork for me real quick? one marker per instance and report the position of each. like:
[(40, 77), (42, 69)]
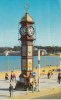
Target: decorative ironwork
[(19, 33), (26, 7)]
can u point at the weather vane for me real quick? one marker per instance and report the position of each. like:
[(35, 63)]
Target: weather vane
[(26, 7)]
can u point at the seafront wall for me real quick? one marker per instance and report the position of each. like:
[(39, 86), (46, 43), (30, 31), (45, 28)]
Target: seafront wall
[(43, 71)]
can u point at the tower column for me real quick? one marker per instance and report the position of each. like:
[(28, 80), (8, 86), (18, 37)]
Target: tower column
[(26, 32)]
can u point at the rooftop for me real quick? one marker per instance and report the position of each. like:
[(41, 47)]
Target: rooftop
[(27, 17)]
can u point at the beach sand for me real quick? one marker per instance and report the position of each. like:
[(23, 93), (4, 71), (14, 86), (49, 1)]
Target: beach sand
[(43, 71)]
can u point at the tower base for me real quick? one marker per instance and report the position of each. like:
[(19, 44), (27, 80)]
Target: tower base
[(26, 81)]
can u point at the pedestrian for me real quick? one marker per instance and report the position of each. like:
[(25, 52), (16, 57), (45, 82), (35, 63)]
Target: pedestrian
[(6, 76), (51, 74), (27, 85), (48, 75), (59, 77), (11, 90), (11, 77), (15, 78), (31, 86)]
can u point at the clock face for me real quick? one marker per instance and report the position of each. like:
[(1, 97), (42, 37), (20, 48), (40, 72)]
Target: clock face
[(30, 31), (23, 30)]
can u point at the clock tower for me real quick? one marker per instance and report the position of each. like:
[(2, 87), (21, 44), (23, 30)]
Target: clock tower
[(27, 38)]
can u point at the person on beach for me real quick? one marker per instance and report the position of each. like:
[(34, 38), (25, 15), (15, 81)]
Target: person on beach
[(11, 78), (6, 76), (11, 90), (51, 74), (48, 75)]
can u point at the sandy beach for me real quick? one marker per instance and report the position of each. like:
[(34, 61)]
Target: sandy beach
[(43, 71)]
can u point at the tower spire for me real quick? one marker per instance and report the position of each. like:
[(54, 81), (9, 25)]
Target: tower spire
[(26, 7)]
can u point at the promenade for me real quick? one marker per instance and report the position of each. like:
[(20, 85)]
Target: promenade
[(46, 85)]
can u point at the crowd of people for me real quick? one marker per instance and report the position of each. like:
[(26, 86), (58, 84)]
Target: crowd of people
[(50, 74), (13, 78)]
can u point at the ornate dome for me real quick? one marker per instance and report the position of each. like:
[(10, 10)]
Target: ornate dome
[(27, 17)]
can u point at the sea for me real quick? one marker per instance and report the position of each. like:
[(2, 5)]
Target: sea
[(14, 62)]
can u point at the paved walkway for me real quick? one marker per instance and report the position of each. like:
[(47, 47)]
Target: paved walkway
[(45, 85)]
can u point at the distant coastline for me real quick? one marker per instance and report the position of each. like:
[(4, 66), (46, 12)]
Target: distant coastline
[(19, 54)]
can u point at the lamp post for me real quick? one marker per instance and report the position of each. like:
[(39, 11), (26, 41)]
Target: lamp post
[(6, 54), (38, 69), (45, 62), (45, 58), (60, 60), (7, 63)]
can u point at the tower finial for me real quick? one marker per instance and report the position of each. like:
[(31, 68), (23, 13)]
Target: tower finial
[(26, 7)]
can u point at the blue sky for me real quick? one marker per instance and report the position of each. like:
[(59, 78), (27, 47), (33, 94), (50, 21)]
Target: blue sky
[(45, 13)]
